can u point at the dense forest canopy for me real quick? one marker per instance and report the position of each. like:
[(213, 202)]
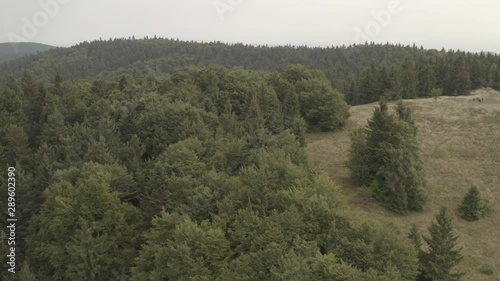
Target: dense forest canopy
[(204, 168), (362, 72), (167, 160)]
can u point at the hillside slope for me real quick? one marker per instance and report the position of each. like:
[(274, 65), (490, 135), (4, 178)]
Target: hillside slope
[(459, 141), (10, 51)]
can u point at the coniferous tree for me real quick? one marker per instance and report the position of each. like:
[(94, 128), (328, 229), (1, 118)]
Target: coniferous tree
[(366, 153), (25, 274), (407, 78), (426, 78), (494, 76), (15, 143), (57, 85), (415, 236), (387, 160), (254, 120), (367, 88), (473, 207), (359, 159), (350, 95), (242, 202), (406, 115), (462, 80), (442, 256)]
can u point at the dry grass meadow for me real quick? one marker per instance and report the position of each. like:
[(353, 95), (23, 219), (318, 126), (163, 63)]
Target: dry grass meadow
[(460, 145)]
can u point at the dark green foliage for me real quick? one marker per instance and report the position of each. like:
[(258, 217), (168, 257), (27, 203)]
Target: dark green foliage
[(473, 207), (198, 175), (165, 123), (415, 236), (180, 249), (363, 72), (359, 159), (373, 83), (83, 231), (323, 108), (436, 93), (405, 114), (384, 157), (174, 178), (437, 263), (462, 80), (15, 143), (25, 274), (426, 77)]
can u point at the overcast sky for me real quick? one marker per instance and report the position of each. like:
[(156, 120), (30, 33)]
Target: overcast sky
[(471, 25)]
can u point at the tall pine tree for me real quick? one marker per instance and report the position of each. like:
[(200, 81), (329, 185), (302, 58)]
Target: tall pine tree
[(438, 262)]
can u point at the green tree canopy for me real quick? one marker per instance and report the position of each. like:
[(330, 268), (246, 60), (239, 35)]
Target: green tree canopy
[(83, 231), (442, 256)]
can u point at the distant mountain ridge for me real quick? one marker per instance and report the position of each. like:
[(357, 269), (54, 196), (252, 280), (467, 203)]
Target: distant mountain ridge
[(363, 73), (11, 51)]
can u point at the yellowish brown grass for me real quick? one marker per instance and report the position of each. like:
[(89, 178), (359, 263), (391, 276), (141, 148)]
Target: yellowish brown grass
[(460, 145)]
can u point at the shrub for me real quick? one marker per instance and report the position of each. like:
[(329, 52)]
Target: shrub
[(487, 269)]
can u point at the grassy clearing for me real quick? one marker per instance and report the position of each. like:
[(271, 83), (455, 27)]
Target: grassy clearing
[(460, 145)]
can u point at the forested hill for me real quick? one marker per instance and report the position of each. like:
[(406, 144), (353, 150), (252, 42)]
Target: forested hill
[(198, 176), (152, 170), (361, 72), (10, 51)]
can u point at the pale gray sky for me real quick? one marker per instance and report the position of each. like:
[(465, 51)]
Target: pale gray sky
[(471, 25)]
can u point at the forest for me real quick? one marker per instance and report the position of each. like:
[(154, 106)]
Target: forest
[(160, 159), (362, 72)]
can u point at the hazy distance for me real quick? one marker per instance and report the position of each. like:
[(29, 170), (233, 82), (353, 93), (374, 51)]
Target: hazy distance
[(466, 24)]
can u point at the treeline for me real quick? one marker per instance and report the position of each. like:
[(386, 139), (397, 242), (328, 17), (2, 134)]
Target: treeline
[(453, 73), (363, 73), (200, 175)]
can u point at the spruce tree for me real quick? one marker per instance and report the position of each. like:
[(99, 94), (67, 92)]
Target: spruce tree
[(358, 159), (426, 77), (437, 264), (473, 207), (254, 120), (462, 79), (415, 236), (26, 274), (387, 160)]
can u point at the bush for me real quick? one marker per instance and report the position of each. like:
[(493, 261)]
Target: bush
[(436, 93), (487, 269)]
